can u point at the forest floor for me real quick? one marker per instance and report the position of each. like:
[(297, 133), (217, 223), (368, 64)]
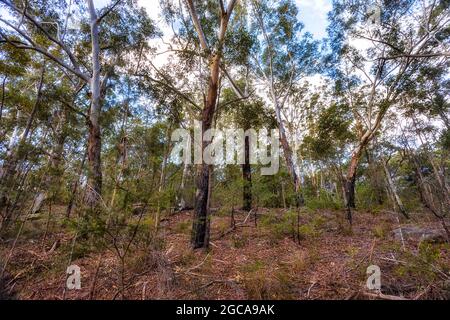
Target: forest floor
[(251, 261)]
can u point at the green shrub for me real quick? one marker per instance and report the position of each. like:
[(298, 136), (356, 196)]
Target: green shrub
[(324, 201)]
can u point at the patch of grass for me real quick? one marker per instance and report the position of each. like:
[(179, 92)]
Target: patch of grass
[(183, 227), (223, 211), (188, 258), (379, 231), (344, 227), (221, 225), (277, 227), (238, 241), (352, 251), (261, 283), (312, 228), (297, 263)]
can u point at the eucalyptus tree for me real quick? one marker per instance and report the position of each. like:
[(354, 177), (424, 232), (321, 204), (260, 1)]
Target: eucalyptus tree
[(283, 54), (425, 107), (380, 48), (247, 114), (208, 35), (91, 53), (23, 116), (328, 135)]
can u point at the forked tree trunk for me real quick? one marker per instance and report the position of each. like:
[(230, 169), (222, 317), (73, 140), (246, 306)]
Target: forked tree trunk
[(350, 179)]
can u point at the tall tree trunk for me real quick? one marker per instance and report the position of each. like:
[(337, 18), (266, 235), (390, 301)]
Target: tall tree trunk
[(162, 180), (53, 175), (9, 167), (288, 155), (94, 182), (182, 204), (351, 178), (393, 189), (374, 177), (2, 100), (200, 227), (75, 186), (247, 177), (121, 163), (278, 104), (200, 224)]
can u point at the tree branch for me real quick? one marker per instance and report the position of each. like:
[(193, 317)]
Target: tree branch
[(48, 35), (108, 11), (35, 47), (197, 25)]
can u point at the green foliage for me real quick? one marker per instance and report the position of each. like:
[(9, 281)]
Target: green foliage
[(278, 226), (425, 265), (330, 132), (91, 226), (367, 197), (322, 202)]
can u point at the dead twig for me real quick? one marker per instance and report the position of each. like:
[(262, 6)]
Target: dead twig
[(384, 296)]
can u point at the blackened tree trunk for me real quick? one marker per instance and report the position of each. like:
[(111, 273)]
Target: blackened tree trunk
[(201, 217), (350, 192), (247, 178), (350, 179), (200, 227)]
